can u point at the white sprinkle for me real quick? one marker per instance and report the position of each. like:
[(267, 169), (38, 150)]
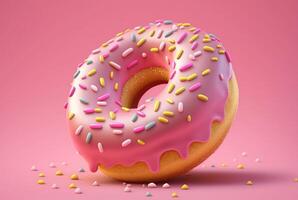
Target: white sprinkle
[(148, 194), (162, 45), (126, 142), (244, 154), (167, 60), (54, 186), (102, 103), (100, 148), (93, 88), (117, 132), (166, 185), (258, 160), (180, 107), (64, 163), (33, 168), (78, 191), (149, 100), (141, 107), (127, 52), (197, 53), (95, 183), (114, 65), (119, 38), (52, 165), (79, 130), (192, 57), (151, 185), (144, 55), (127, 189)]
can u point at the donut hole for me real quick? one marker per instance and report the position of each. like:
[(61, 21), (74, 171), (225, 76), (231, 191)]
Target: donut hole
[(145, 81)]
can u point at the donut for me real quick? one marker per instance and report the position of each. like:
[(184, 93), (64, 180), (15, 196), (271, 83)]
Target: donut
[(165, 135)]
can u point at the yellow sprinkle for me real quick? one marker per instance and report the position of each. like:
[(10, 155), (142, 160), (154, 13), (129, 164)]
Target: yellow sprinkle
[(170, 101), (105, 44), (174, 195), (163, 120), (112, 115), (100, 119), (111, 75), (192, 29), (219, 46), (41, 174), (168, 113), (188, 118), (126, 30), (179, 54), (172, 41), (156, 105), (180, 90), (74, 177), (192, 77), (125, 109), (240, 166), (206, 36), (71, 115), (208, 49), (119, 34), (154, 49), (141, 30), (183, 78), (202, 97), (41, 182), (171, 87), (141, 42), (116, 86), (59, 173), (141, 142), (215, 59), (97, 110), (186, 24), (101, 59), (193, 38), (102, 81), (249, 182), (152, 33), (184, 187), (72, 186), (91, 72), (206, 40), (172, 48), (221, 51), (206, 72), (179, 24)]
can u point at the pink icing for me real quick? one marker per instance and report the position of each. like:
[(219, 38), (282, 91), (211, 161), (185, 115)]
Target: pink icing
[(118, 138)]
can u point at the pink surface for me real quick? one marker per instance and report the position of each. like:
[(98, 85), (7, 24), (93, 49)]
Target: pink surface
[(42, 42)]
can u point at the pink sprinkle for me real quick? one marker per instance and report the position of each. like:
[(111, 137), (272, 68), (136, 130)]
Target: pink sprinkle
[(173, 65), (197, 31), (105, 55), (159, 34), (127, 52), (144, 55), (80, 65), (71, 92), (95, 126), (141, 114), (162, 46), (182, 37), (133, 63), (116, 110), (228, 56), (89, 110), (221, 77), (103, 97), (186, 67), (172, 74), (197, 53), (65, 105), (96, 51), (194, 45), (116, 125), (84, 77), (114, 47), (141, 107), (139, 129), (102, 103), (194, 87), (118, 103), (83, 86), (180, 107)]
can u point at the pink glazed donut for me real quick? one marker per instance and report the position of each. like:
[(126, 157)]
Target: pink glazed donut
[(168, 134)]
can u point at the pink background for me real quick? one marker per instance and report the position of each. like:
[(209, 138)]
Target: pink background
[(41, 42)]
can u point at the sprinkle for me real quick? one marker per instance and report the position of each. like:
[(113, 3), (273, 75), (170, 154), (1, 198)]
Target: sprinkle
[(206, 72), (127, 52), (194, 87), (65, 105), (95, 126), (295, 180), (162, 45), (257, 160), (170, 101), (71, 115), (125, 109), (249, 182), (168, 34), (188, 118), (112, 115), (202, 97), (100, 119), (168, 114), (101, 59), (54, 186), (151, 34), (72, 186), (171, 87), (183, 78), (81, 170), (221, 51), (182, 37), (180, 107), (149, 125), (148, 194), (78, 191), (197, 53), (186, 67), (76, 74), (134, 117), (184, 187), (126, 142), (116, 125), (214, 59), (59, 173), (52, 165), (33, 168), (94, 88), (141, 114), (194, 45), (154, 50), (91, 72), (139, 129), (166, 185), (79, 130), (159, 33), (141, 42), (244, 154), (192, 77), (41, 182), (114, 47), (156, 105), (127, 189), (95, 183), (74, 177), (41, 174), (141, 107), (240, 166), (101, 103), (71, 92), (174, 195), (82, 86), (115, 65), (151, 185), (103, 97), (172, 74), (88, 137), (144, 55), (206, 40), (100, 148), (102, 81), (133, 63), (167, 22), (117, 132), (133, 37), (111, 75), (180, 90), (179, 54), (163, 120), (83, 101), (141, 30), (172, 48), (194, 38), (89, 62), (208, 49)]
